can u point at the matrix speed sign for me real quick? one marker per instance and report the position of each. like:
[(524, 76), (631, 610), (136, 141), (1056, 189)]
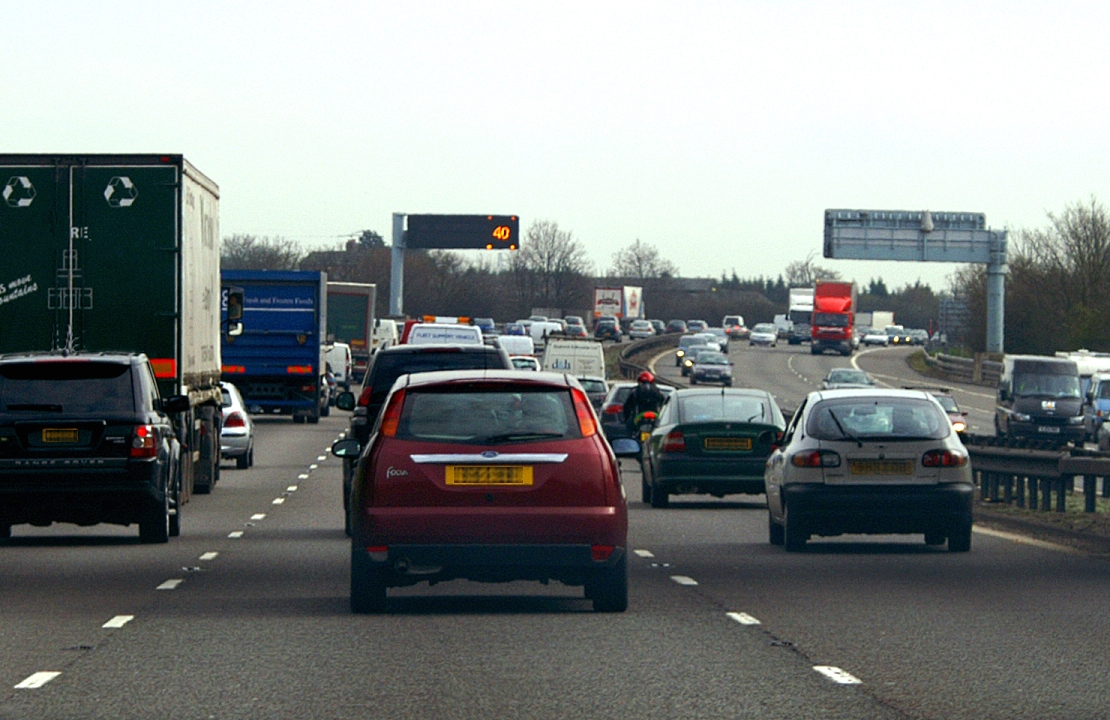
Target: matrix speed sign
[(462, 232)]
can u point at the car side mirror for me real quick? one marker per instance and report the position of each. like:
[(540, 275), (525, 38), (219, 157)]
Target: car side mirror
[(175, 404), (345, 401), (1003, 394), (624, 447), (346, 448)]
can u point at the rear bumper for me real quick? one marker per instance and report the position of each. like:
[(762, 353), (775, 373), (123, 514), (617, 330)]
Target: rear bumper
[(232, 446), (710, 476), (837, 509), (113, 490), (607, 525)]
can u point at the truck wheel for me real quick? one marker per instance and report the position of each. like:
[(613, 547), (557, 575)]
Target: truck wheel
[(298, 419), (814, 351), (609, 588), (314, 419), (154, 523)]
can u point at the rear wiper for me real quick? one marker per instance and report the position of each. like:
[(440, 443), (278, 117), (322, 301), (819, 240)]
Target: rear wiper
[(31, 407), (844, 432), (509, 437)]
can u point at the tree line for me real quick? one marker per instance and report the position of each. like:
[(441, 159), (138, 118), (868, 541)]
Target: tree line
[(1056, 295)]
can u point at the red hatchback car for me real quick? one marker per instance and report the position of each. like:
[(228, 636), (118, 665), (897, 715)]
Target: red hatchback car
[(490, 476)]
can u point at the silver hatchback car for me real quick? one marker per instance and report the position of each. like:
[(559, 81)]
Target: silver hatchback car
[(237, 434), (870, 461)]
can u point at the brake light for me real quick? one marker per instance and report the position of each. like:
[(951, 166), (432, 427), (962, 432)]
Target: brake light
[(299, 369), (943, 458), (816, 459), (233, 369), (391, 418), (364, 397), (143, 445), (613, 409), (674, 442), (378, 553), (164, 368), (235, 420), (586, 422), (601, 553)]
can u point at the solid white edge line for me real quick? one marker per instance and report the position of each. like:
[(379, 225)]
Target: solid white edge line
[(743, 618), (258, 516), (837, 675), (170, 584), (278, 501), (235, 534), (118, 621), (684, 580), (644, 553), (37, 680), (1023, 540), (209, 555), (291, 488)]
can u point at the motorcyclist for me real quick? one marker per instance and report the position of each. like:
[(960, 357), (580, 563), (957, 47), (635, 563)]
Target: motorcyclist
[(645, 397)]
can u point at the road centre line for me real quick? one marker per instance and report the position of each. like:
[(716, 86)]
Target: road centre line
[(235, 534), (321, 458), (258, 516), (743, 618), (644, 553), (209, 555), (303, 476), (291, 488), (683, 580), (37, 680), (118, 621), (837, 675), (278, 501), (170, 584), (313, 466)]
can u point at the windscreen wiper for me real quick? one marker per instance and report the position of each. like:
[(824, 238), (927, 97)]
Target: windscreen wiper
[(844, 432), (514, 436)]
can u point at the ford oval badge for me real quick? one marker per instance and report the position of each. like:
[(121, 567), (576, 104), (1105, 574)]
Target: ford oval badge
[(489, 454)]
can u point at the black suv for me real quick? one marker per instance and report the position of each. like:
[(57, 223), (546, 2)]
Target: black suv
[(86, 439), (391, 363)]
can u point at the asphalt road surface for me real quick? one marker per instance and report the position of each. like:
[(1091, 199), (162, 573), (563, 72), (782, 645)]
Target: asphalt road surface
[(720, 624)]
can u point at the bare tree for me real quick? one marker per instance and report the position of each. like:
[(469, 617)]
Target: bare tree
[(251, 252), (550, 267), (641, 261), (804, 273)]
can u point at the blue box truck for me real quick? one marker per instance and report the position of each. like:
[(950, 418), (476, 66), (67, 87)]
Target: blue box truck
[(277, 361)]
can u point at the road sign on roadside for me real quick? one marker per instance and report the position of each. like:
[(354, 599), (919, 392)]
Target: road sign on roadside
[(462, 232)]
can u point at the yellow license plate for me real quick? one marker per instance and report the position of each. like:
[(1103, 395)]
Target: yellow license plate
[(489, 474), (882, 467), (728, 443), (59, 435)]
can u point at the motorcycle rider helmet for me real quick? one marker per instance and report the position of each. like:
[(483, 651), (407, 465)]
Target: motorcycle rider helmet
[(646, 377)]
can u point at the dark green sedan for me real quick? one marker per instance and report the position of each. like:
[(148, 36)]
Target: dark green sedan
[(710, 442)]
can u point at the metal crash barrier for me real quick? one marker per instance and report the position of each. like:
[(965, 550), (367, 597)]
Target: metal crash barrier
[(1028, 477)]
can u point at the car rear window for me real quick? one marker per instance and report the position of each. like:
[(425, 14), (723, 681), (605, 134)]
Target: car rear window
[(713, 408), (488, 416), (66, 386), (390, 366), (947, 403), (592, 386), (885, 418)]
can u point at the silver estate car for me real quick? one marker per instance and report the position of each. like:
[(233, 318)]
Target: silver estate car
[(237, 434), (870, 461)]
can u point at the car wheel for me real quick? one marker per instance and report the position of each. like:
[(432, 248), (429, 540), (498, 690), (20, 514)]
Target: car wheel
[(325, 411), (5, 531), (998, 428), (645, 491), (693, 380), (250, 463), (660, 498), (367, 584), (175, 518), (775, 533), (935, 538), (608, 588), (154, 524), (960, 540), (244, 461), (794, 535)]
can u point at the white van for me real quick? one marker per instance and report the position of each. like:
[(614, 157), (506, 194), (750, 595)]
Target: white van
[(385, 334), (540, 331), (339, 357), (444, 334), (517, 344), (575, 356)]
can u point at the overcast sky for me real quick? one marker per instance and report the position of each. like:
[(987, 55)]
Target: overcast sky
[(717, 131)]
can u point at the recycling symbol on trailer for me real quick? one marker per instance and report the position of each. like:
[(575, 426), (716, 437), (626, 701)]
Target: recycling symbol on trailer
[(121, 192), (19, 192)]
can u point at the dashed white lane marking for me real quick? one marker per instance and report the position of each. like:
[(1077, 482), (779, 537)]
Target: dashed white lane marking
[(118, 621), (170, 584), (209, 555), (683, 580), (37, 680), (278, 501), (644, 553), (235, 534), (1033, 542), (837, 675), (313, 466), (258, 516), (303, 476), (743, 618), (321, 458), (291, 488)]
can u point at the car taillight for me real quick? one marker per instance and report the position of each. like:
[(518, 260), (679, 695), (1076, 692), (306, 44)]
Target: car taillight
[(613, 409), (143, 445), (943, 458), (601, 553), (586, 422), (391, 418), (817, 458), (235, 420), (674, 442), (364, 397)]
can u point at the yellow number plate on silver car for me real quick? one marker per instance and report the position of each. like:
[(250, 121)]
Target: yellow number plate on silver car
[(489, 475), (882, 467), (59, 435)]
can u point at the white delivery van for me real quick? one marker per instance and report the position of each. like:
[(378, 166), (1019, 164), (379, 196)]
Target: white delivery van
[(339, 357), (575, 356), (444, 334), (385, 334), (540, 331), (517, 344)]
